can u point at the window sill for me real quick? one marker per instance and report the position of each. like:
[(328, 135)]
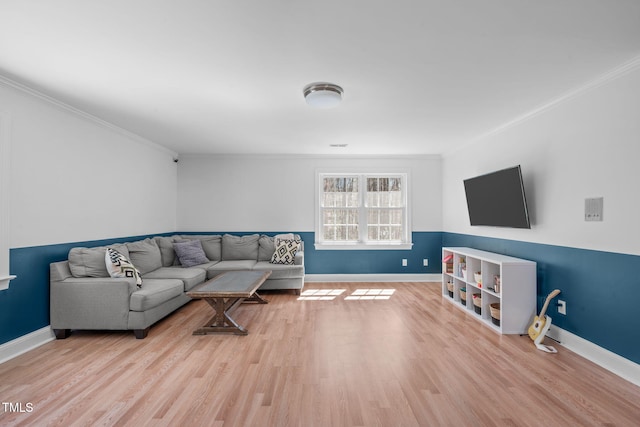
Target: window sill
[(4, 282), (363, 246)]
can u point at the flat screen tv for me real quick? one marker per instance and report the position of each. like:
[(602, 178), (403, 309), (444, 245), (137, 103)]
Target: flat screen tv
[(497, 199)]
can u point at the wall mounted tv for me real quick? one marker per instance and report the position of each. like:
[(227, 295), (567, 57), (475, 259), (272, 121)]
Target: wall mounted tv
[(497, 199)]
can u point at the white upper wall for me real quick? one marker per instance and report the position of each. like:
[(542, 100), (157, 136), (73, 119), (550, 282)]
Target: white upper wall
[(277, 193), (585, 146), (74, 178)]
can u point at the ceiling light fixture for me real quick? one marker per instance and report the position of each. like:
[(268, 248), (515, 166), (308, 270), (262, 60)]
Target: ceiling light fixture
[(323, 95)]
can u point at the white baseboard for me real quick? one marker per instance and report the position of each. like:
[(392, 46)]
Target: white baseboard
[(372, 278), (610, 361), (25, 343)]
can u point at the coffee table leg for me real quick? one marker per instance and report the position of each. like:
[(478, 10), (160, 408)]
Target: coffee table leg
[(257, 298), (221, 321)]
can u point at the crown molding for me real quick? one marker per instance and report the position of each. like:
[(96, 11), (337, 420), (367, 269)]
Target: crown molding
[(601, 80), (285, 156), (84, 115)]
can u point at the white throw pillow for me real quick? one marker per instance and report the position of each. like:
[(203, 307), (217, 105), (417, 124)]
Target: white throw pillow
[(285, 252), (119, 266), (278, 237)]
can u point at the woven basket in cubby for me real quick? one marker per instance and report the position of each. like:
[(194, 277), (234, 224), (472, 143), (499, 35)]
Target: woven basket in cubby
[(477, 303), (495, 313)]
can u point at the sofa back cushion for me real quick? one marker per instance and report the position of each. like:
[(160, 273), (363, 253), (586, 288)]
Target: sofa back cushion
[(145, 255), (240, 247), (266, 247), (89, 262), (211, 244), (167, 254)]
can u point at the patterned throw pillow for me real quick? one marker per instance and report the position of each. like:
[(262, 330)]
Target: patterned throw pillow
[(119, 266), (285, 251)]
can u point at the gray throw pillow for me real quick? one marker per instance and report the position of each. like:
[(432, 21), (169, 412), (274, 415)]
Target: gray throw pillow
[(190, 253), (211, 244)]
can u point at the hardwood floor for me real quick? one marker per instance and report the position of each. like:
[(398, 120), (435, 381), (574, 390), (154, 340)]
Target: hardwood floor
[(410, 360)]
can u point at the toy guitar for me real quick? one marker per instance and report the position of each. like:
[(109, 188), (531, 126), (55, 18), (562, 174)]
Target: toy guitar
[(541, 325)]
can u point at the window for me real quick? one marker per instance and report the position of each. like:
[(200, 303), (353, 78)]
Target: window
[(362, 211)]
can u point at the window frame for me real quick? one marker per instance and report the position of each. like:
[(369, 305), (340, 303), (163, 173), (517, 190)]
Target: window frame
[(363, 243)]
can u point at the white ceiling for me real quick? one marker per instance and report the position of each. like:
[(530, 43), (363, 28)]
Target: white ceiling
[(209, 76)]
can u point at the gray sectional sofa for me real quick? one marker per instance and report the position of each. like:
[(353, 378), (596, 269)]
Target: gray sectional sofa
[(85, 296)]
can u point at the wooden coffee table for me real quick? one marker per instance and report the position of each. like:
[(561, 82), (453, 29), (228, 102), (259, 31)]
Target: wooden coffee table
[(225, 293)]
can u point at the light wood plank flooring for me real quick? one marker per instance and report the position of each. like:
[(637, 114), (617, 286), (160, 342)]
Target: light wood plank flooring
[(410, 360)]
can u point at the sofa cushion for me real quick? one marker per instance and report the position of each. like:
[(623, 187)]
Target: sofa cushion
[(167, 254), (280, 271), (191, 276), (145, 255), (89, 262), (240, 247), (224, 266), (211, 243), (285, 252), (266, 248), (155, 292), (190, 253), (119, 266)]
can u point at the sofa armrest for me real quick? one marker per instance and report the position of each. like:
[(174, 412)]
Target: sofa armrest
[(299, 258), (91, 303)]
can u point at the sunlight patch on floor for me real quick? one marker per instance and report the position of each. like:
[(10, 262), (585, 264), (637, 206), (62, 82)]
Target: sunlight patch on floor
[(358, 294), (371, 294), (320, 294)]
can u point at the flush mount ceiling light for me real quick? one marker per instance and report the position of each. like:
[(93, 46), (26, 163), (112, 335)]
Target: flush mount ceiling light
[(323, 95)]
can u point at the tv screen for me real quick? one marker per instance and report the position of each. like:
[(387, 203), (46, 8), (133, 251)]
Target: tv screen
[(497, 199)]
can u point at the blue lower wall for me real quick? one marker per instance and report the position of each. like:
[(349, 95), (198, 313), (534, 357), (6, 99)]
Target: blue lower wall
[(425, 245), (601, 288)]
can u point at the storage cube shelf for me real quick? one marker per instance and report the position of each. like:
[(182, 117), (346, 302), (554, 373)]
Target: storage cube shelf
[(517, 293)]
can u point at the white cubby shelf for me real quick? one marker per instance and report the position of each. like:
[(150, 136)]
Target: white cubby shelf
[(517, 293)]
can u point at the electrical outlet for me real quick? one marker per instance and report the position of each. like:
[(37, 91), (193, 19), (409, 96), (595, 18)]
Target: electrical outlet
[(562, 307), (425, 262), (404, 262), (593, 209)]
